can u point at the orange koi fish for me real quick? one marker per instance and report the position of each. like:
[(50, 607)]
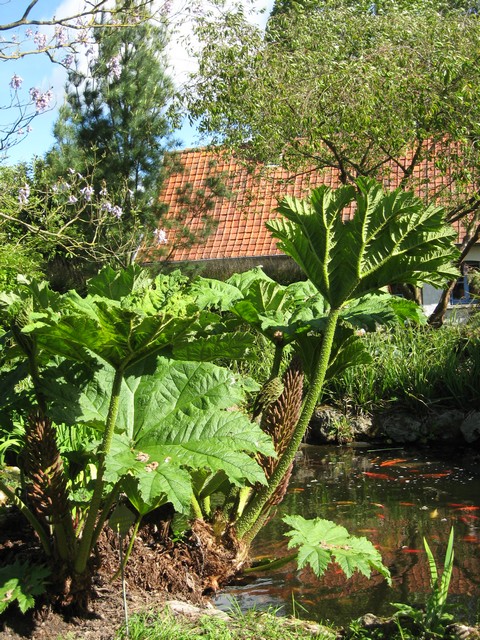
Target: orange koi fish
[(412, 551), (467, 508), (436, 475), (390, 463), (471, 539), (407, 504), (378, 476)]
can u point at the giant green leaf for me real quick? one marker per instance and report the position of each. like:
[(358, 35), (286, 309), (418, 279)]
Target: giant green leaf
[(392, 238), (321, 541), (245, 279), (185, 411), (148, 482), (214, 294), (127, 318), (233, 345)]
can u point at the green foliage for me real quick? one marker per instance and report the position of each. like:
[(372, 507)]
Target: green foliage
[(164, 625), (395, 74), (392, 237), (21, 582), (381, 245), (434, 617), (20, 252), (320, 542), (106, 365), (413, 365), (401, 78), (170, 430), (114, 124), (11, 438)]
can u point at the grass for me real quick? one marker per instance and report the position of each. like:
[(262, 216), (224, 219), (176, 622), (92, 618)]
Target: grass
[(415, 366), (253, 625)]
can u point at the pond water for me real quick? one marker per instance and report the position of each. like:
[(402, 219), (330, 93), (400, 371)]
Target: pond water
[(394, 497)]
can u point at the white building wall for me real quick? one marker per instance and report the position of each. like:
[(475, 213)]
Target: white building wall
[(431, 295)]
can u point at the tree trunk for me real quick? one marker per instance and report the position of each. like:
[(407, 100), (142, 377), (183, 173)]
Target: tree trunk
[(438, 316)]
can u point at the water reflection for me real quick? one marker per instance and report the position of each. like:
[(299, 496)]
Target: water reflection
[(394, 498)]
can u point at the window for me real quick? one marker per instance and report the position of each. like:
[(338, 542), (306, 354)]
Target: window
[(467, 289)]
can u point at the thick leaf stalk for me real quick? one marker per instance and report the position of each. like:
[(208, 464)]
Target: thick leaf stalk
[(47, 484), (27, 344), (253, 511), (88, 536)]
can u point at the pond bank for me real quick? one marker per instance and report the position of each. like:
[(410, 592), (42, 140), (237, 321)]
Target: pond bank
[(397, 424)]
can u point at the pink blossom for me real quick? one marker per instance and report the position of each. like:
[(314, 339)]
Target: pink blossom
[(117, 212), (42, 100), (87, 192), (40, 39), (68, 60), (60, 36), (160, 236), (16, 82), (24, 194), (72, 199), (115, 67)]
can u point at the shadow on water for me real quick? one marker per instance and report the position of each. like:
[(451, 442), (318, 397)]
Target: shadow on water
[(394, 498)]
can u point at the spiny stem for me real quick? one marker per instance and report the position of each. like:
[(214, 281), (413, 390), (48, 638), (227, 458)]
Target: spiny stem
[(196, 508), (254, 508), (88, 535), (110, 499), (277, 361)]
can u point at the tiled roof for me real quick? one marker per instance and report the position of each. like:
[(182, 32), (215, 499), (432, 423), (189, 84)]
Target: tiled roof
[(238, 228)]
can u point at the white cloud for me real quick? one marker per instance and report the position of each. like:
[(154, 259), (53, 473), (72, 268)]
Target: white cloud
[(182, 64)]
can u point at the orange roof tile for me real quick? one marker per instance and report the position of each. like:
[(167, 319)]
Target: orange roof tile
[(239, 221)]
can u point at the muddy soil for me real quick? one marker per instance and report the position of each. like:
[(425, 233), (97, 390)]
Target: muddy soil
[(158, 570)]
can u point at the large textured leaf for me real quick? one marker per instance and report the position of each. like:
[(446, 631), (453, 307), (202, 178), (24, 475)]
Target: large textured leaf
[(244, 280), (210, 293), (120, 336), (235, 345), (115, 285), (80, 392), (127, 318), (392, 238), (162, 484), (348, 350), (148, 482), (183, 411), (382, 309), (218, 441), (276, 310), (321, 541)]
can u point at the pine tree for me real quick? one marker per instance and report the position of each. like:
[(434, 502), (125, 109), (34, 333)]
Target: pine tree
[(114, 124)]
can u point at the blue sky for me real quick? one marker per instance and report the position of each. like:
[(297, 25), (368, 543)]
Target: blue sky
[(38, 71)]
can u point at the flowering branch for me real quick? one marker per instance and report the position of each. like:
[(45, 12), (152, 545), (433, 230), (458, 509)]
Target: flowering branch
[(61, 39), (70, 216)]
